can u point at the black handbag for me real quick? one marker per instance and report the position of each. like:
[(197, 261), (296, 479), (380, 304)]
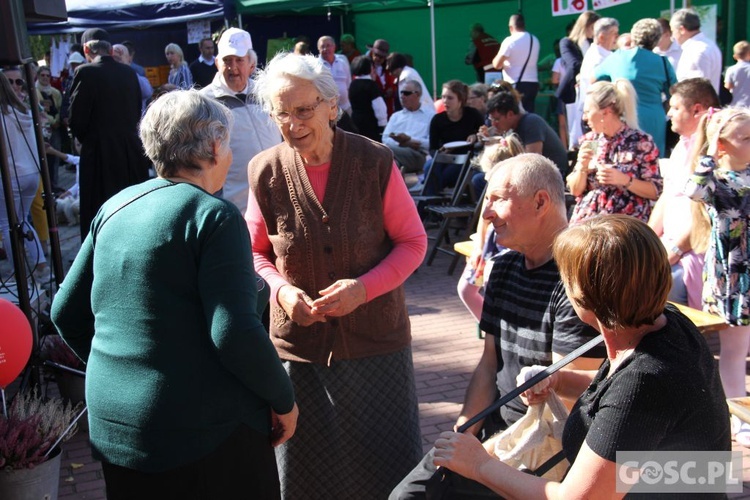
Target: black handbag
[(447, 485)]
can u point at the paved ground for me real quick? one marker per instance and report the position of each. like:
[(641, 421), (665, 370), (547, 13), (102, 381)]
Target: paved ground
[(445, 349)]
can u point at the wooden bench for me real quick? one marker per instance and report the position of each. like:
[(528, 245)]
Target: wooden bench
[(706, 322)]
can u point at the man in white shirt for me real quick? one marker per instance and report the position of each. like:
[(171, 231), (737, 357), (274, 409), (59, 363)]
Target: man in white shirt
[(701, 57), (606, 31), (517, 58), (398, 66), (672, 217), (339, 66), (253, 131), (408, 131), (668, 46)]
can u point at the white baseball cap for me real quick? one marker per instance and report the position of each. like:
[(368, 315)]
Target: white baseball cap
[(235, 42), (76, 58)]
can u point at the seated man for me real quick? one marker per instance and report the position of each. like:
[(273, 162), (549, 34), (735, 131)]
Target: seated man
[(535, 133), (408, 131), (672, 216), (527, 315)]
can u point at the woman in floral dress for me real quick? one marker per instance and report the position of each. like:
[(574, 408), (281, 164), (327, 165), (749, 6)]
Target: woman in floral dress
[(617, 170), (721, 181)]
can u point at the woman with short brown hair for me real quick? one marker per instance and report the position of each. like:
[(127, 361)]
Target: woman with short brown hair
[(658, 389)]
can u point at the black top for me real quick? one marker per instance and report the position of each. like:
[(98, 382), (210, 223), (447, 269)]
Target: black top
[(443, 130), (666, 396), (572, 57), (203, 74), (533, 128), (361, 94), (105, 108)]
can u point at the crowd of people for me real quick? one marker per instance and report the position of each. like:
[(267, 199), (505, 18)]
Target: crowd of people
[(251, 292)]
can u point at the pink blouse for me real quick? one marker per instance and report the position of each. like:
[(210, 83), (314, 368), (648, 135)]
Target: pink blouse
[(401, 221)]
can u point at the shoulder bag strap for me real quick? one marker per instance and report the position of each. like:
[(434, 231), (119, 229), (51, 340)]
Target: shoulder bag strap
[(532, 382), (531, 46), (128, 202)]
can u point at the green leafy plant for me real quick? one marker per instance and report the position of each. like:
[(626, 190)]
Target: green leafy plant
[(33, 426)]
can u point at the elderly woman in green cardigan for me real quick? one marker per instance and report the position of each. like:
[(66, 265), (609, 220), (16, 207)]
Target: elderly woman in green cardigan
[(186, 394)]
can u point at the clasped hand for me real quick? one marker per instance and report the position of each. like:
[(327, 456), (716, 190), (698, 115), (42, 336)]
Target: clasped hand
[(339, 299), (609, 175)]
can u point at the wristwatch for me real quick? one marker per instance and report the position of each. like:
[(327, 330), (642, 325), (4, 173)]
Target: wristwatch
[(676, 250), (630, 183)]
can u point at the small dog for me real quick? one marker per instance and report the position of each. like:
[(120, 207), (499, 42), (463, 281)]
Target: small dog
[(68, 210)]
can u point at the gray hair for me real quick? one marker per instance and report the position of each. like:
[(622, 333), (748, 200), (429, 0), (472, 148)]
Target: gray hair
[(415, 84), (646, 33), (253, 57), (479, 90), (180, 128), (605, 24), (532, 172), (285, 65), (687, 18), (99, 47), (326, 37)]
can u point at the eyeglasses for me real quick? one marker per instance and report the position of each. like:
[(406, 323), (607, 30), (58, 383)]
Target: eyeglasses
[(408, 92), (17, 81), (301, 113)]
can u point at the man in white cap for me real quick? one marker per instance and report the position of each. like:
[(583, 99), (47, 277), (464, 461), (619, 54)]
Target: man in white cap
[(253, 131)]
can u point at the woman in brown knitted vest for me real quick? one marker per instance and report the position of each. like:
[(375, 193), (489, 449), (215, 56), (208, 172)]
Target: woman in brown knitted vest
[(335, 234)]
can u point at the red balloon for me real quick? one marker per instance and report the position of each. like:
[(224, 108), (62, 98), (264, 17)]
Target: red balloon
[(15, 342)]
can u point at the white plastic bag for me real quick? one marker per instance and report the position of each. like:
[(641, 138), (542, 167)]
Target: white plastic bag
[(534, 438)]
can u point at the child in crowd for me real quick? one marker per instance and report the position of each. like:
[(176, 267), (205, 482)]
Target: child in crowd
[(67, 204), (472, 280), (721, 181), (737, 78)]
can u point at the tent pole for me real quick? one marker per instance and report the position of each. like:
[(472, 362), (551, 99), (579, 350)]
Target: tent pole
[(434, 56), (239, 20)]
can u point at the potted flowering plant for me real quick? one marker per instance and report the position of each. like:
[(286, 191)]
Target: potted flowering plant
[(69, 369), (30, 435)]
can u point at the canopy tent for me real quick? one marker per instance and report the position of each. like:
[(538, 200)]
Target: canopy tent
[(132, 14), (350, 8), (436, 32)]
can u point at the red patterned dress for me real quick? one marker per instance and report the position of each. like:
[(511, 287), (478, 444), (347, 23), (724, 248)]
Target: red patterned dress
[(632, 152)]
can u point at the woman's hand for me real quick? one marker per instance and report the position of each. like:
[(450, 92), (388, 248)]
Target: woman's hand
[(283, 426), (298, 306), (461, 453), (341, 298), (610, 176), (585, 155), (539, 392)]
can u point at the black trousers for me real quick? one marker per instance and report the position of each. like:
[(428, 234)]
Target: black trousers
[(528, 91), (243, 466), (414, 485)]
